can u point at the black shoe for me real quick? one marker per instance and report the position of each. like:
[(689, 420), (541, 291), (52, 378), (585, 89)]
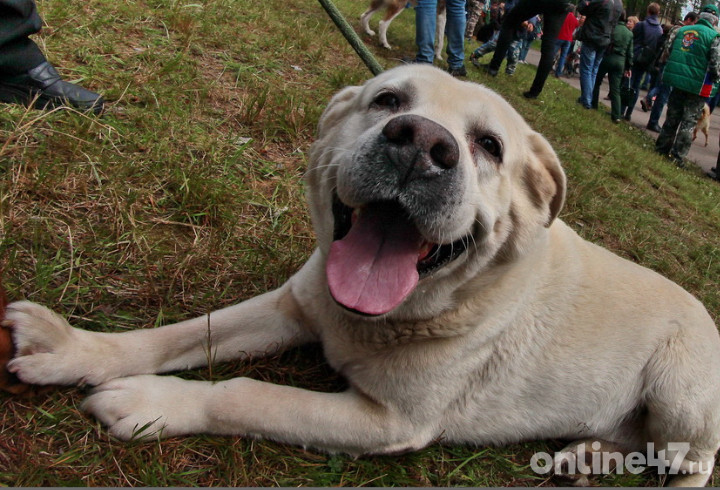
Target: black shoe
[(490, 71), (580, 101), (530, 95), (627, 117), (645, 106), (713, 174), (458, 72), (43, 87), (615, 120), (655, 128)]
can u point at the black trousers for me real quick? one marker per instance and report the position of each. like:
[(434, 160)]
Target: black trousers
[(554, 13), (18, 20)]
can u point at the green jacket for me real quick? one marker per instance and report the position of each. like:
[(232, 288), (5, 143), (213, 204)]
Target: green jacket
[(690, 59), (622, 45)]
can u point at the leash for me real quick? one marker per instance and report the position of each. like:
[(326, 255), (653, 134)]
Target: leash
[(351, 37)]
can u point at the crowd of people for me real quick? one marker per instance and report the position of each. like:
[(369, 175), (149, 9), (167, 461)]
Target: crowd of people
[(678, 65)]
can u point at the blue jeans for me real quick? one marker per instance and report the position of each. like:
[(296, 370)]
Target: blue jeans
[(590, 59), (661, 97), (425, 25), (564, 48), (524, 48)]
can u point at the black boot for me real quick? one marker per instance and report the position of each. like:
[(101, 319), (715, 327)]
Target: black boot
[(44, 89)]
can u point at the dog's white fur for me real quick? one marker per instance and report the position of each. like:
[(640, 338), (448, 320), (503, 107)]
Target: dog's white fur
[(393, 8), (532, 333), (703, 124)]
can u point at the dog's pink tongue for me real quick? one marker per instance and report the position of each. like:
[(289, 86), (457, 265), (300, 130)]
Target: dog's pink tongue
[(374, 268)]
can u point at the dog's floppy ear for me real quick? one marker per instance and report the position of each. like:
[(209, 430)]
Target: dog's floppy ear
[(337, 109), (544, 177)]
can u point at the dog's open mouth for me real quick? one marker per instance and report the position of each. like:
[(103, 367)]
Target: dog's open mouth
[(379, 256)]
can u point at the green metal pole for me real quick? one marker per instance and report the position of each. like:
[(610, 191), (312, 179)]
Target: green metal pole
[(352, 37)]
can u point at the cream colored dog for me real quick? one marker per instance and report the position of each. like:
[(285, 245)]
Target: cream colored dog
[(445, 290)]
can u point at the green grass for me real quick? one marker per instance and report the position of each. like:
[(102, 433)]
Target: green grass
[(186, 197)]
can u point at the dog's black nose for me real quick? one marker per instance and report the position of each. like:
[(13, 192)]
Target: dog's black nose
[(425, 143)]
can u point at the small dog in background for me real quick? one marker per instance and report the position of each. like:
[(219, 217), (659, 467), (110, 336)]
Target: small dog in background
[(393, 8), (703, 124)]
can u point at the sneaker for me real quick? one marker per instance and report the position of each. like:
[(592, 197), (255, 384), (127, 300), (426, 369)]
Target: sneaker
[(459, 71), (43, 88)]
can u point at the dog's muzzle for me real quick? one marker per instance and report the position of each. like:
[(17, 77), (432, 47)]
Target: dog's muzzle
[(379, 253)]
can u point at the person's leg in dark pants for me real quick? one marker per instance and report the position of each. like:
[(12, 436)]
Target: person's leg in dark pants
[(553, 21), (18, 53), (26, 77), (615, 75), (673, 117)]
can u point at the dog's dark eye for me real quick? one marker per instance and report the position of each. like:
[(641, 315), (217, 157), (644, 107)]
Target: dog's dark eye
[(387, 100), (490, 145)]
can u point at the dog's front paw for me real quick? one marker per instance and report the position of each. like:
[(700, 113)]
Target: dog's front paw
[(47, 347), (149, 406)]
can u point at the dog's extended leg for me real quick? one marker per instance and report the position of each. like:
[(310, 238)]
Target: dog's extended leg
[(390, 14), (164, 406), (50, 351), (375, 5)]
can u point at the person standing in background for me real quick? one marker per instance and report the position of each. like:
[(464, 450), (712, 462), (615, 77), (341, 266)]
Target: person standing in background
[(646, 39), (532, 31), (601, 16), (565, 39), (661, 91), (616, 63)]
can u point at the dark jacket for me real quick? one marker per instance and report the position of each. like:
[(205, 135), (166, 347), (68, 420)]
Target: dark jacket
[(601, 16), (647, 33)]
